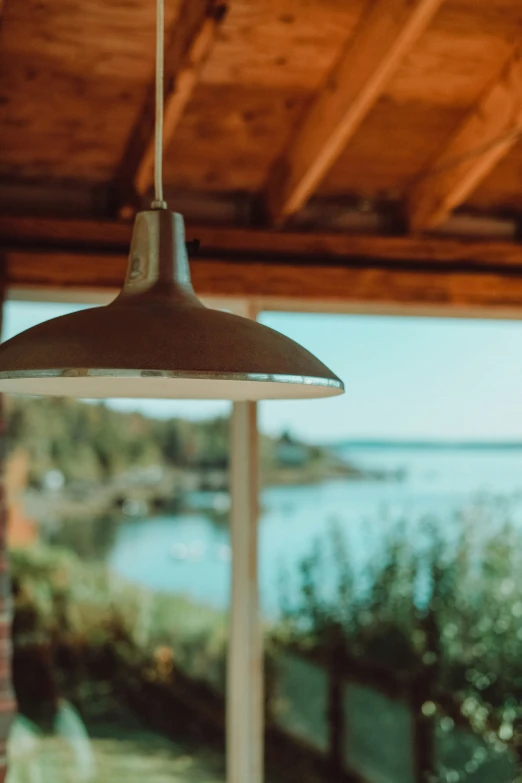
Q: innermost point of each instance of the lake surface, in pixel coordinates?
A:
(189, 553)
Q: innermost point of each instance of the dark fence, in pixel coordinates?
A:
(381, 730)
(328, 718)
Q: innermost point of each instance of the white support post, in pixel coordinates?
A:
(245, 720)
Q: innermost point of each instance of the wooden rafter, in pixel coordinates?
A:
(388, 31)
(486, 135)
(190, 43)
(377, 288)
(250, 244)
(381, 273)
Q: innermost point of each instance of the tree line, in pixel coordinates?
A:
(92, 442)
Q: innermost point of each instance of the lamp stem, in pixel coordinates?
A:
(158, 202)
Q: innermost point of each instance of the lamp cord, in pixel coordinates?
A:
(158, 202)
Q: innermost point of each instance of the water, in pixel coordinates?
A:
(189, 553)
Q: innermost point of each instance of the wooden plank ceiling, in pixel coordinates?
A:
(374, 141)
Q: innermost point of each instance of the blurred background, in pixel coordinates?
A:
(390, 567)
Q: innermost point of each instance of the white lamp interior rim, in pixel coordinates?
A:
(162, 384)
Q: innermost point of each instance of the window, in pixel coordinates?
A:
(391, 549)
(118, 531)
(390, 561)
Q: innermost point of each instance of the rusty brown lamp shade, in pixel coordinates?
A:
(157, 340)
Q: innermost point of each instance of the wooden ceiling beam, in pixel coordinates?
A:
(84, 201)
(102, 236)
(287, 285)
(386, 34)
(187, 49)
(487, 134)
(326, 271)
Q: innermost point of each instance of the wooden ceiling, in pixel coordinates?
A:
(309, 122)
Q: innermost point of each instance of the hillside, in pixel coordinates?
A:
(76, 458)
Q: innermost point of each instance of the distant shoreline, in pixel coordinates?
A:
(428, 445)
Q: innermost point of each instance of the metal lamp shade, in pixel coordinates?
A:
(157, 340)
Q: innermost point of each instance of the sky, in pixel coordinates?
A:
(405, 378)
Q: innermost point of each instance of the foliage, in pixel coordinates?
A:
(64, 604)
(92, 443)
(444, 617)
(90, 537)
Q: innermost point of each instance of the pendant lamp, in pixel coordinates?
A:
(157, 339)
